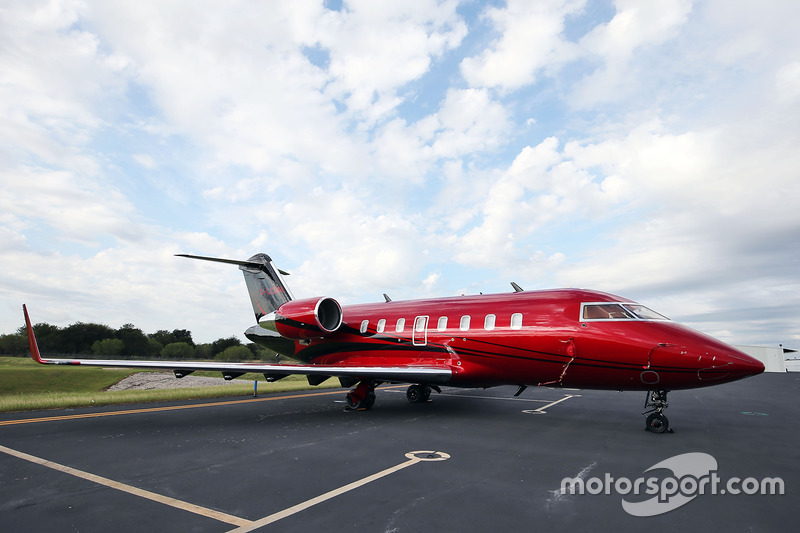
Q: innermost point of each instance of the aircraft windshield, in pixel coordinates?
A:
(618, 311)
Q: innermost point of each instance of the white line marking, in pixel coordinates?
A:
(541, 410)
(482, 397)
(166, 500)
(413, 458)
(494, 397)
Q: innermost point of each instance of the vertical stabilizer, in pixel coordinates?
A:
(265, 285)
(264, 282)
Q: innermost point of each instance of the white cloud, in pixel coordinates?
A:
(624, 46)
(73, 207)
(350, 247)
(377, 47)
(636, 24)
(787, 82)
(145, 160)
(531, 40)
(540, 186)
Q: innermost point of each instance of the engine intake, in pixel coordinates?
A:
(309, 318)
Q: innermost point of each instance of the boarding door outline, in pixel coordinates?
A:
(420, 336)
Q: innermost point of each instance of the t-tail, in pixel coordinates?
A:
(264, 282)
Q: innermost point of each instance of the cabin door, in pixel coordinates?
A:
(421, 331)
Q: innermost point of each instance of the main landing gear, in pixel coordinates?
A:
(362, 397)
(420, 393)
(656, 421)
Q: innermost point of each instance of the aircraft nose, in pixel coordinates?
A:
(744, 364)
(730, 364)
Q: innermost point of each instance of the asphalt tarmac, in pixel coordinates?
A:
(469, 460)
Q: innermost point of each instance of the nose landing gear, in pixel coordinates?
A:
(656, 422)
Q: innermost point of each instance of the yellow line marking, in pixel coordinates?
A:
(171, 408)
(158, 409)
(166, 500)
(413, 458)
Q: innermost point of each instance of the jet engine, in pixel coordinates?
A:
(309, 318)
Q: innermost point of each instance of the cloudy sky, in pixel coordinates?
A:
(646, 148)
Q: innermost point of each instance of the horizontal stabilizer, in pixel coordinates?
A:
(265, 286)
(248, 264)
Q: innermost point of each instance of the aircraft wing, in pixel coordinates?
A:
(412, 374)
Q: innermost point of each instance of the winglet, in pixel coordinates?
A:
(32, 346)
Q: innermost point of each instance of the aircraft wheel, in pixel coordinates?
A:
(415, 394)
(657, 423)
(352, 403)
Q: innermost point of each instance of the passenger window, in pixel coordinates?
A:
(488, 323)
(381, 325)
(516, 321)
(442, 324)
(364, 326)
(464, 324)
(401, 325)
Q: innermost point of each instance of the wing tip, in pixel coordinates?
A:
(32, 345)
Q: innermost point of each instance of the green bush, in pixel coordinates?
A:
(235, 353)
(177, 351)
(112, 347)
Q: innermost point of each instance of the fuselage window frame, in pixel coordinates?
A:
(618, 312)
(441, 324)
(516, 321)
(489, 322)
(381, 325)
(401, 325)
(463, 324)
(364, 326)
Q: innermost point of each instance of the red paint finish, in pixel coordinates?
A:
(553, 347)
(308, 318)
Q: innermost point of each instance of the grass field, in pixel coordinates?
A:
(26, 386)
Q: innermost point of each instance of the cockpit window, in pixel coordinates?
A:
(645, 313)
(618, 311)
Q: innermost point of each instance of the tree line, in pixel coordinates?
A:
(101, 341)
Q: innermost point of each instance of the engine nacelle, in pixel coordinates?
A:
(310, 318)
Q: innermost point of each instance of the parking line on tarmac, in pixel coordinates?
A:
(508, 398)
(243, 524)
(166, 500)
(541, 410)
(413, 458)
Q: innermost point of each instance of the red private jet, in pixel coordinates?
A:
(558, 338)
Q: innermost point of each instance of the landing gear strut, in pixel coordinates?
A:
(656, 422)
(362, 397)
